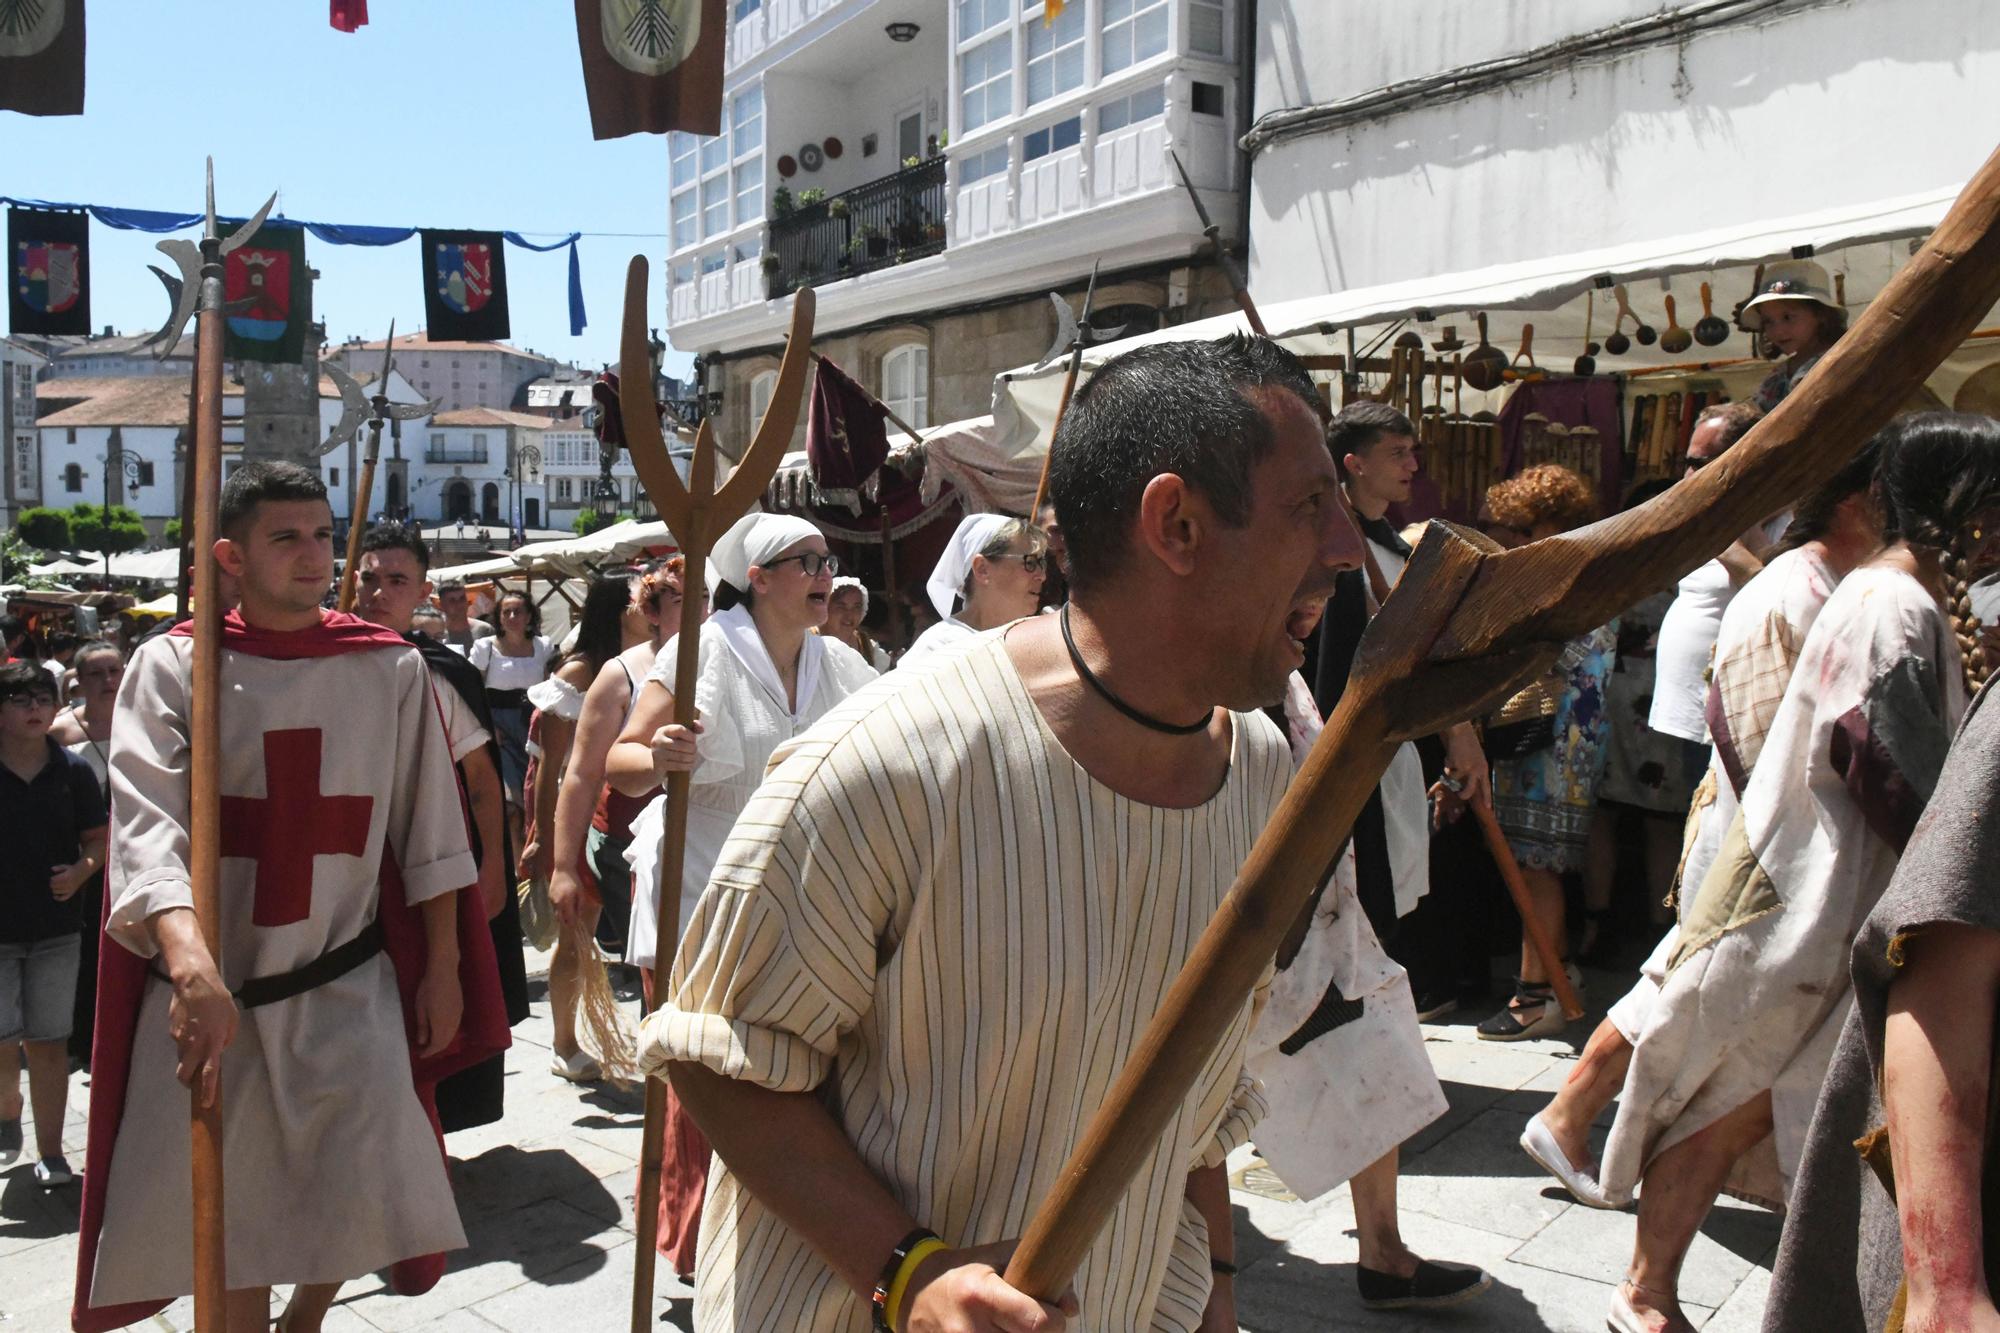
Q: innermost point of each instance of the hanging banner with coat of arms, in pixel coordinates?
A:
(48, 272)
(465, 286)
(650, 66)
(267, 297)
(41, 57)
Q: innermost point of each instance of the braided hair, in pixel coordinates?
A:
(1940, 471)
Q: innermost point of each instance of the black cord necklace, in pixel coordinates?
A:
(1146, 720)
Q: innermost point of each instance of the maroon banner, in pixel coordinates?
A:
(846, 437)
(41, 57)
(650, 66)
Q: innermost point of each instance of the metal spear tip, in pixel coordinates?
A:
(1066, 327)
(241, 236)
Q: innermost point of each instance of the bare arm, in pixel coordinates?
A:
(482, 793)
(202, 1016)
(1937, 1061)
(1208, 1190)
(652, 744)
(583, 777)
(786, 1148)
(64, 881)
(556, 736)
(440, 1002)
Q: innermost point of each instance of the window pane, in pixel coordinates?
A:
(747, 117)
(750, 191)
(1151, 37)
(1205, 28)
(715, 205)
(745, 8)
(684, 228)
(1115, 10)
(988, 82)
(992, 162)
(1066, 134)
(1146, 105)
(713, 263)
(1114, 115)
(714, 153)
(681, 151)
(976, 16)
(1055, 56)
(1035, 145)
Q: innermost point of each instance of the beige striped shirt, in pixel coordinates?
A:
(931, 913)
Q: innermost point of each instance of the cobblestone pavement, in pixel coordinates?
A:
(546, 1199)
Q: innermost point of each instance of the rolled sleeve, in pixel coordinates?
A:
(1247, 1108)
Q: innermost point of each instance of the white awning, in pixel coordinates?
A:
(965, 453)
(1863, 246)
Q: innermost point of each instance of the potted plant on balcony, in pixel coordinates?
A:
(836, 208)
(782, 203)
(770, 264)
(871, 242)
(809, 197)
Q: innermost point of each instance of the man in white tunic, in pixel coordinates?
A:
(346, 960)
(940, 927)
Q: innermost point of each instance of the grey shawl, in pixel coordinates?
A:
(1841, 1260)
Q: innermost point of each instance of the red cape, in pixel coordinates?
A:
(121, 982)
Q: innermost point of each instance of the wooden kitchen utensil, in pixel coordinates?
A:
(1485, 364)
(1710, 330)
(1676, 339)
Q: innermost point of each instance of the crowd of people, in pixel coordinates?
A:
(930, 898)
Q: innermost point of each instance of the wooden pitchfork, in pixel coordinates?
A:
(1468, 626)
(697, 513)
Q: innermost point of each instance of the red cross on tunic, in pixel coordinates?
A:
(291, 824)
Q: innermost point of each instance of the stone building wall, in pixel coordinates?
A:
(968, 348)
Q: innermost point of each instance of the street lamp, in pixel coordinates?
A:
(526, 469)
(117, 458)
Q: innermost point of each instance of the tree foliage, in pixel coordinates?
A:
(106, 531)
(589, 520)
(44, 527)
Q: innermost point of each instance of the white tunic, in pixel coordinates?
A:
(933, 916)
(1758, 987)
(744, 717)
(1345, 1083)
(1763, 631)
(948, 635)
(331, 1167)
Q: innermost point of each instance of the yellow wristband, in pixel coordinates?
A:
(892, 1311)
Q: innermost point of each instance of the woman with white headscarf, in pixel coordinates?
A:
(989, 575)
(846, 609)
(763, 677)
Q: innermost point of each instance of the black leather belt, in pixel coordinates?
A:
(506, 698)
(335, 963)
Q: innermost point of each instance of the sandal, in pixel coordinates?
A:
(1533, 1012)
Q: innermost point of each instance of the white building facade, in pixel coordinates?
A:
(1387, 150)
(971, 156)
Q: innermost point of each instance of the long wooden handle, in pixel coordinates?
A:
(1484, 623)
(1524, 903)
(1062, 410)
(205, 785)
(357, 517)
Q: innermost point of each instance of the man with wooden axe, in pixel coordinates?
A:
(945, 918)
(354, 968)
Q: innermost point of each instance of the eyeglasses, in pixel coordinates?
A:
(1031, 562)
(812, 562)
(1697, 464)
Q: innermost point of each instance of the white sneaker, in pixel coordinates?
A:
(1540, 1144)
(576, 1067)
(52, 1173)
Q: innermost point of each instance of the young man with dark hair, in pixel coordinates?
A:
(938, 931)
(54, 817)
(354, 969)
(392, 583)
(461, 630)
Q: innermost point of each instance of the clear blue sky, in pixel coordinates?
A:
(435, 114)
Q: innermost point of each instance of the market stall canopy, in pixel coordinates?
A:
(626, 540)
(160, 606)
(478, 571)
(1863, 246)
(56, 569)
(148, 566)
(966, 454)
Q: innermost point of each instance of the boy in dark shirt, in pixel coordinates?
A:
(54, 814)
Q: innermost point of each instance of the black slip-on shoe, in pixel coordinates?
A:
(1431, 1287)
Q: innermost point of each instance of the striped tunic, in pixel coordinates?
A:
(933, 915)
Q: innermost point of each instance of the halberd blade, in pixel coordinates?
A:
(1065, 331)
(236, 239)
(353, 408)
(184, 292)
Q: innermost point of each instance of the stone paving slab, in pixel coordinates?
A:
(546, 1195)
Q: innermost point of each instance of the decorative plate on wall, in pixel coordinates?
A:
(787, 167)
(834, 148)
(811, 158)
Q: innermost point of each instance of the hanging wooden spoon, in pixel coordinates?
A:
(1587, 363)
(1676, 339)
(1641, 330)
(1527, 353)
(1710, 330)
(1618, 344)
(1485, 364)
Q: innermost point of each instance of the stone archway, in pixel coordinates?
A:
(458, 501)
